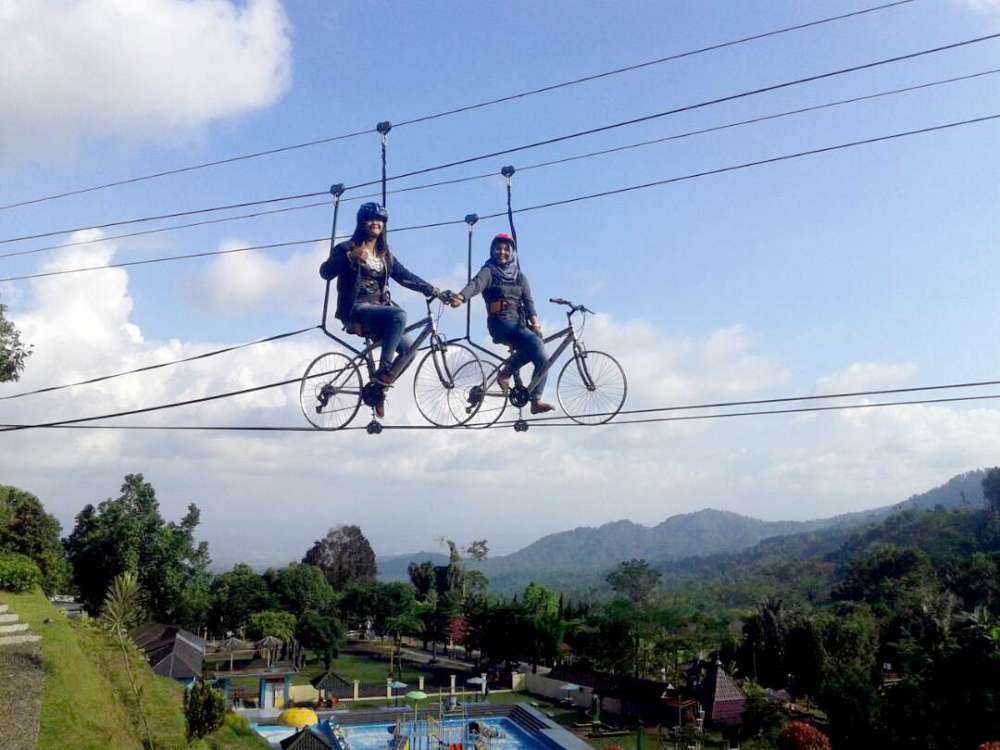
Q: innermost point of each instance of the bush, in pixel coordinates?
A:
(797, 735)
(19, 573)
(204, 710)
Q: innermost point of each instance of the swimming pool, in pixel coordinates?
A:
(376, 736)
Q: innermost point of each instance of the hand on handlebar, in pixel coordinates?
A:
(453, 299)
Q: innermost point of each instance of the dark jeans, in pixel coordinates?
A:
(385, 323)
(527, 346)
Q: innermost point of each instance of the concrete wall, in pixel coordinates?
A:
(303, 694)
(549, 688)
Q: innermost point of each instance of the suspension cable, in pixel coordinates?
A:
(549, 204)
(466, 108)
(536, 144)
(527, 167)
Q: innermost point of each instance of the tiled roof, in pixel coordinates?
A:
(724, 701)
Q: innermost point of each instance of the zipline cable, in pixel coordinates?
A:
(527, 167)
(550, 204)
(466, 108)
(536, 144)
(147, 368)
(77, 423)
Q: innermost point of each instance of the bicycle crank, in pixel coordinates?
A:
(519, 396)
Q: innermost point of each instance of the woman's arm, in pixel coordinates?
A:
(335, 264)
(477, 284)
(410, 280)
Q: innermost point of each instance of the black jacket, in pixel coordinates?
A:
(348, 275)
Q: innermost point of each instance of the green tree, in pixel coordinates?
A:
(129, 534)
(234, 597)
(122, 611)
(204, 710)
(25, 528)
(300, 587)
(991, 489)
(281, 625)
(422, 578)
(539, 601)
(319, 633)
(13, 352)
(634, 579)
(344, 555)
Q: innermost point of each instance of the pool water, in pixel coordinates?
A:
(512, 737)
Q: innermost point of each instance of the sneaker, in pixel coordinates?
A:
(540, 407)
(380, 408)
(383, 378)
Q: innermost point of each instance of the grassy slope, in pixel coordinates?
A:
(86, 701)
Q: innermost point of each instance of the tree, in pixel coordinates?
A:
(539, 601)
(422, 577)
(234, 597)
(13, 352)
(344, 555)
(477, 550)
(129, 534)
(634, 579)
(281, 625)
(319, 633)
(120, 612)
(25, 528)
(300, 587)
(204, 710)
(991, 489)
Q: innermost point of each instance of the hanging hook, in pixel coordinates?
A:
(336, 190)
(508, 172)
(383, 128)
(471, 220)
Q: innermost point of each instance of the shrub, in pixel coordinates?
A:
(989, 745)
(18, 573)
(797, 735)
(204, 710)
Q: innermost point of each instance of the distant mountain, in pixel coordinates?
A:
(576, 560)
(393, 567)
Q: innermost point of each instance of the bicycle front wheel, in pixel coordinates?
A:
(330, 391)
(445, 385)
(493, 400)
(591, 388)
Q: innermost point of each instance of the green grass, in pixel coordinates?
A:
(86, 700)
(353, 667)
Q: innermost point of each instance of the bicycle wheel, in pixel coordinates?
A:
(493, 399)
(443, 385)
(591, 384)
(330, 392)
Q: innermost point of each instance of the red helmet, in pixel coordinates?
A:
(503, 237)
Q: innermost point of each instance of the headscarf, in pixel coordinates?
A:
(509, 272)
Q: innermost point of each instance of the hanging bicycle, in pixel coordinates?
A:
(591, 388)
(333, 388)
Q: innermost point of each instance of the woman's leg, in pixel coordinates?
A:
(385, 323)
(527, 348)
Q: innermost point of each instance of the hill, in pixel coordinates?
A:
(86, 700)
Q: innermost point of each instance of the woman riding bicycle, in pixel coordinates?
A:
(512, 319)
(363, 266)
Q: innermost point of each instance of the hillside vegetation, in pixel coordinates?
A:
(86, 703)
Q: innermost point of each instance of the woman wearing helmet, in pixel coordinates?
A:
(363, 266)
(510, 308)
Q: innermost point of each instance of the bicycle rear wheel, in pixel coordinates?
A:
(591, 388)
(493, 401)
(330, 391)
(444, 385)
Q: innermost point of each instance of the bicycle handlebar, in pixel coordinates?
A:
(573, 308)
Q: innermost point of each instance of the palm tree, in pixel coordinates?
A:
(120, 612)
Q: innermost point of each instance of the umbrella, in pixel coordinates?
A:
(416, 695)
(569, 686)
(397, 685)
(475, 681)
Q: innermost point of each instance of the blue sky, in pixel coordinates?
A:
(866, 267)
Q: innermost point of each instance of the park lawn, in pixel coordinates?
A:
(352, 667)
(86, 700)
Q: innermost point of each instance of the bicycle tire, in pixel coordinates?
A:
(441, 404)
(604, 400)
(494, 402)
(339, 373)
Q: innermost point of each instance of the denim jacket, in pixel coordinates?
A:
(348, 275)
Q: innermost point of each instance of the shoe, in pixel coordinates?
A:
(503, 379)
(380, 409)
(540, 407)
(383, 378)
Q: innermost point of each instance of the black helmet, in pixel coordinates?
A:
(369, 211)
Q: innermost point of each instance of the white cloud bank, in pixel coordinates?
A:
(72, 71)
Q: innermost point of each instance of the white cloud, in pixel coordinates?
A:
(989, 7)
(865, 376)
(134, 70)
